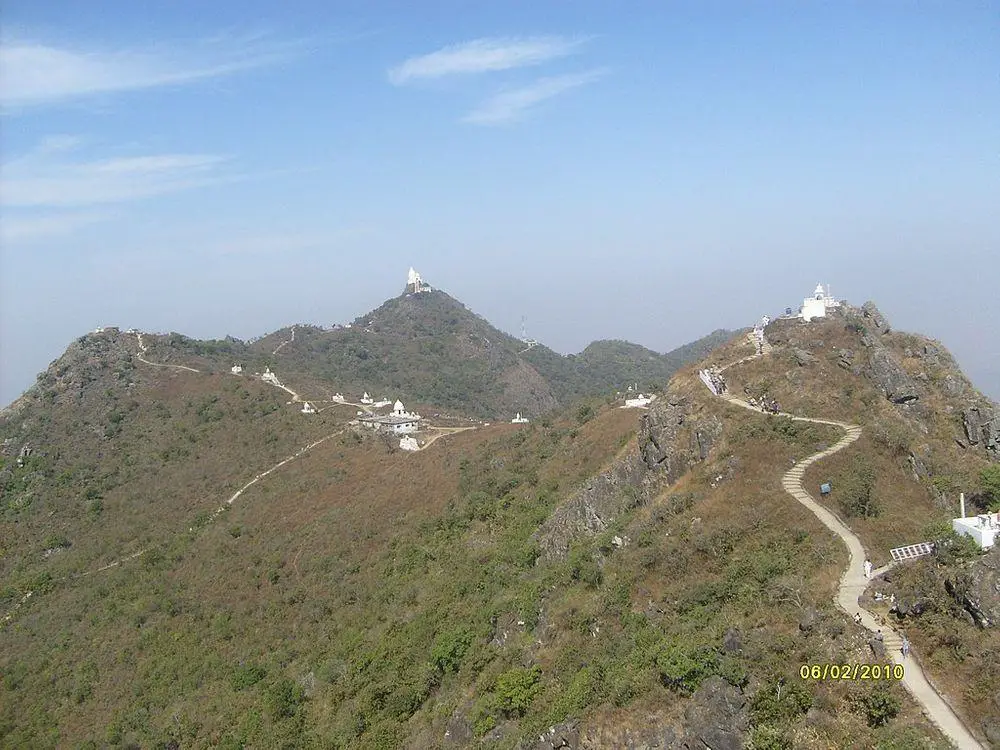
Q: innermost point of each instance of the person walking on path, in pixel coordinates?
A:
(905, 648)
(868, 568)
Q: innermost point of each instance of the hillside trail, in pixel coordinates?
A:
(284, 343)
(142, 350)
(853, 582)
(218, 511)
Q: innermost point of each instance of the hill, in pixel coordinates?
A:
(428, 348)
(188, 561)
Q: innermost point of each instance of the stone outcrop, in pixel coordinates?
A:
(889, 375)
(982, 426)
(591, 510)
(672, 437)
(873, 320)
(716, 717)
(977, 589)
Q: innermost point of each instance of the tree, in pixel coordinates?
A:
(857, 491)
(989, 478)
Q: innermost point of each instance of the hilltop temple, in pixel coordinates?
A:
(817, 305)
(415, 284)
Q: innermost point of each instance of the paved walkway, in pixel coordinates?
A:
(853, 582)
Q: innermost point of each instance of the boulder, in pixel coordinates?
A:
(802, 357)
(732, 641)
(458, 732)
(808, 620)
(565, 736)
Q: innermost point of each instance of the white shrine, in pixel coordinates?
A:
(237, 369)
(270, 377)
(817, 305)
(366, 399)
(308, 408)
(983, 529)
(519, 419)
(338, 397)
(638, 401)
(415, 284)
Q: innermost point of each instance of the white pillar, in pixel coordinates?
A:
(961, 503)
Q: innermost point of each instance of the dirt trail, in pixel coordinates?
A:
(853, 582)
(142, 350)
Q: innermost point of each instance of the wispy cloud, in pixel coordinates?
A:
(37, 181)
(513, 104)
(33, 73)
(484, 55)
(20, 230)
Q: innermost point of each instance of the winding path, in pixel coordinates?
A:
(284, 343)
(142, 350)
(853, 581)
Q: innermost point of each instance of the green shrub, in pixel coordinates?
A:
(878, 706)
(247, 675)
(449, 649)
(683, 666)
(989, 479)
(515, 690)
(856, 490)
(284, 698)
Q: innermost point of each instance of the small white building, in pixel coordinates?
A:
(338, 397)
(519, 419)
(984, 529)
(409, 443)
(391, 423)
(817, 305)
(366, 399)
(308, 408)
(638, 401)
(237, 369)
(270, 377)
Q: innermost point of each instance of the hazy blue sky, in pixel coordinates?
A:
(646, 170)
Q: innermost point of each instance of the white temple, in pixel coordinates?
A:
(817, 305)
(366, 399)
(307, 408)
(237, 369)
(415, 284)
(400, 422)
(519, 419)
(270, 377)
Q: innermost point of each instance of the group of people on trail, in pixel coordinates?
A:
(765, 404)
(717, 380)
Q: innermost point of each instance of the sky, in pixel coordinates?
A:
(649, 171)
